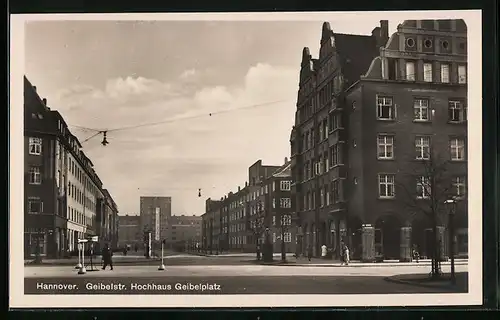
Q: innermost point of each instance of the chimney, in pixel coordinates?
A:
(246, 184)
(34, 88)
(44, 101)
(381, 34)
(239, 188)
(286, 160)
(384, 31)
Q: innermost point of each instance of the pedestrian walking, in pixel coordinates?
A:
(324, 251)
(309, 253)
(346, 255)
(107, 257)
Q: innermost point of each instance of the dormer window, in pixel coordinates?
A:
(445, 44)
(428, 43)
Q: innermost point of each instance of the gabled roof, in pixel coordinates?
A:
(356, 53)
(283, 171)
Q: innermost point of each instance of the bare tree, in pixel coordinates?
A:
(423, 186)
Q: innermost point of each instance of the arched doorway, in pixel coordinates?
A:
(354, 241)
(388, 237)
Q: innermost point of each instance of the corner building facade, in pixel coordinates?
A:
(401, 105)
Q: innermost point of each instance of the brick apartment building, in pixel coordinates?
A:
(129, 231)
(63, 194)
(184, 232)
(374, 117)
(238, 221)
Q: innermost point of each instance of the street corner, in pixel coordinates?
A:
(425, 280)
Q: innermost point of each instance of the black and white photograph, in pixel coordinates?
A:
(246, 160)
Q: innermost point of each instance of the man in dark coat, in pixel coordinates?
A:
(107, 257)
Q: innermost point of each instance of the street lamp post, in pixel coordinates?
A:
(451, 203)
(283, 248)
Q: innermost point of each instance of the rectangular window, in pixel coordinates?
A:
(421, 109)
(459, 185)
(428, 72)
(422, 147)
(35, 146)
(287, 236)
(445, 73)
(457, 149)
(274, 237)
(386, 185)
(410, 71)
(385, 108)
(462, 74)
(35, 175)
(286, 220)
(322, 197)
(274, 202)
(274, 220)
(285, 203)
(423, 187)
(285, 185)
(35, 206)
(457, 111)
(335, 191)
(385, 146)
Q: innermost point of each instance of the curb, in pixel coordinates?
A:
(418, 284)
(117, 263)
(363, 265)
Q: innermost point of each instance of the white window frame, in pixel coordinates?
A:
(459, 111)
(460, 184)
(35, 146)
(428, 76)
(286, 185)
(422, 147)
(457, 149)
(424, 188)
(386, 180)
(410, 71)
(287, 236)
(322, 197)
(421, 106)
(386, 145)
(274, 203)
(286, 220)
(385, 102)
(445, 73)
(285, 203)
(35, 175)
(462, 74)
(274, 220)
(274, 237)
(32, 201)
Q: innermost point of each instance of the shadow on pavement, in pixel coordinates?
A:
(423, 280)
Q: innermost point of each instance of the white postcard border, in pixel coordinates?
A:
(17, 298)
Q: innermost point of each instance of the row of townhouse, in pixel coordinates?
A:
(241, 221)
(64, 198)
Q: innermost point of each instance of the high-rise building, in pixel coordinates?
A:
(155, 214)
(380, 139)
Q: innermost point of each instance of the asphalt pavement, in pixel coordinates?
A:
(254, 284)
(231, 279)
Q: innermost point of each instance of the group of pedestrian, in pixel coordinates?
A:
(344, 255)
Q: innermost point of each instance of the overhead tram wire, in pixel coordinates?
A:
(150, 124)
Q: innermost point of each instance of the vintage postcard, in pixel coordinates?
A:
(246, 160)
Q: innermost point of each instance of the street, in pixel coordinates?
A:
(233, 278)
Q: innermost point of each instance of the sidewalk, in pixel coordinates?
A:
(423, 280)
(118, 259)
(235, 254)
(336, 263)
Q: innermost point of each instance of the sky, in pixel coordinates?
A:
(106, 75)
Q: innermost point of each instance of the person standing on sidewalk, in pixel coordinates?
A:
(107, 257)
(346, 255)
(309, 252)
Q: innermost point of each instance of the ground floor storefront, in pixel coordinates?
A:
(386, 239)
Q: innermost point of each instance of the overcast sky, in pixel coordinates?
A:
(106, 74)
